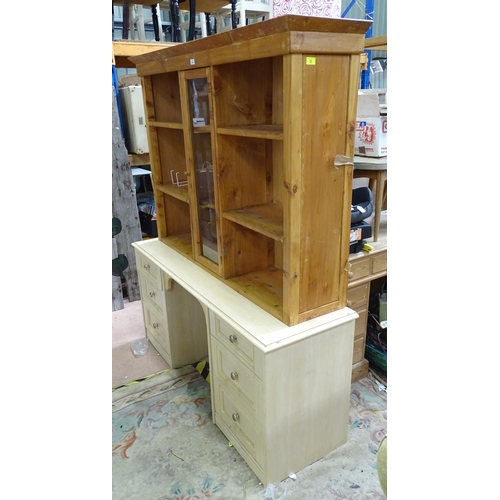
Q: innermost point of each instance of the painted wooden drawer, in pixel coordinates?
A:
(239, 418)
(156, 325)
(257, 466)
(153, 293)
(234, 341)
(235, 374)
(149, 269)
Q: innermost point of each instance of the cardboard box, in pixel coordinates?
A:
(371, 124)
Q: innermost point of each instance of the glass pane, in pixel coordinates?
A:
(202, 155)
(198, 97)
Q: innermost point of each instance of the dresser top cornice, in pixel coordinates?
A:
(276, 36)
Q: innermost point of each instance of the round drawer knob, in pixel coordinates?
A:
(350, 275)
(349, 303)
(146, 266)
(155, 325)
(235, 417)
(234, 375)
(151, 294)
(232, 339)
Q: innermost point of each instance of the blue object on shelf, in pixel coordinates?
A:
(366, 73)
(114, 79)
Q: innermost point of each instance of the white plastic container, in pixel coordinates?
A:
(134, 120)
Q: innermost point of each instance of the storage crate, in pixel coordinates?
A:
(376, 357)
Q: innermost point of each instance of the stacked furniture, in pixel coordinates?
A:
(364, 270)
(251, 138)
(245, 12)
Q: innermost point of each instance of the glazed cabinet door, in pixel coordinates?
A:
(197, 112)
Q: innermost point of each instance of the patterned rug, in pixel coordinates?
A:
(165, 447)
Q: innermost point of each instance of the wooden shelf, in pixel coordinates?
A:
(136, 160)
(376, 43)
(264, 288)
(204, 129)
(174, 125)
(181, 243)
(179, 192)
(274, 132)
(265, 219)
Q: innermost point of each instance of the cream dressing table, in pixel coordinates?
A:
(280, 393)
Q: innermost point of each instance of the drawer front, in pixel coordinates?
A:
(150, 291)
(257, 467)
(360, 325)
(234, 373)
(357, 297)
(234, 341)
(238, 418)
(359, 350)
(149, 269)
(156, 324)
(360, 268)
(379, 262)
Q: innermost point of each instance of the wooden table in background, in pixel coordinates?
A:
(374, 169)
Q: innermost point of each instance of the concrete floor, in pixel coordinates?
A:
(128, 326)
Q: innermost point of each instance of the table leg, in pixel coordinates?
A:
(192, 19)
(156, 27)
(176, 22)
(208, 23)
(126, 17)
(379, 200)
(234, 21)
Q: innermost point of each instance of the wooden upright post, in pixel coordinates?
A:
(125, 210)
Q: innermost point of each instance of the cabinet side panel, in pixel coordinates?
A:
(325, 105)
(307, 391)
